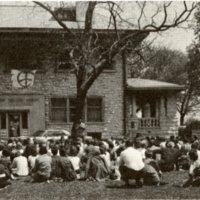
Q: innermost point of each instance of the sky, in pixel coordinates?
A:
(176, 39)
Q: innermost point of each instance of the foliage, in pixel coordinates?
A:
(163, 64)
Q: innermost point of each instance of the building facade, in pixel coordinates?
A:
(49, 102)
(38, 87)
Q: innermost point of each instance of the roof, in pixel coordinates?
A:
(26, 15)
(146, 84)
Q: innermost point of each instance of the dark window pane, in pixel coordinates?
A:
(3, 120)
(58, 114)
(58, 109)
(94, 110)
(58, 102)
(72, 109)
(24, 120)
(66, 14)
(109, 65)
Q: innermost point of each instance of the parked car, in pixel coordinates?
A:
(50, 134)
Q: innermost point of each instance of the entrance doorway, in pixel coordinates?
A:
(14, 124)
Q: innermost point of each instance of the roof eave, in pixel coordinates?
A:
(178, 89)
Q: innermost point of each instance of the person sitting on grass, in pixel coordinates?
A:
(20, 165)
(151, 171)
(55, 164)
(96, 168)
(1, 149)
(169, 157)
(131, 164)
(194, 170)
(75, 160)
(42, 169)
(6, 162)
(67, 171)
(4, 177)
(32, 157)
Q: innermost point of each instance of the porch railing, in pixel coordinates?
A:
(149, 123)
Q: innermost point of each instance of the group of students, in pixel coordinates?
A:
(141, 158)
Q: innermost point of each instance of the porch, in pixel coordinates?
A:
(151, 106)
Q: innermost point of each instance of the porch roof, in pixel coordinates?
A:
(146, 84)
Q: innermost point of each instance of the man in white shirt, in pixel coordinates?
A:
(20, 164)
(131, 164)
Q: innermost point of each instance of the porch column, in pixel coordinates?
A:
(134, 119)
(162, 112)
(134, 106)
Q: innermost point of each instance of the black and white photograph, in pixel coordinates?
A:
(99, 100)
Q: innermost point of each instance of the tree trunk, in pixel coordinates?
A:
(77, 130)
(182, 118)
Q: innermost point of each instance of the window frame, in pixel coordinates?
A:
(4, 113)
(101, 109)
(58, 11)
(67, 108)
(51, 110)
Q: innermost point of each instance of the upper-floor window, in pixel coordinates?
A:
(66, 14)
(20, 55)
(63, 60)
(109, 65)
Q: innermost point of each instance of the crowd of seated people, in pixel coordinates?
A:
(143, 159)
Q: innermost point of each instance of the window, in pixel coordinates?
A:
(24, 120)
(21, 56)
(64, 110)
(59, 109)
(63, 60)
(72, 109)
(94, 110)
(3, 120)
(66, 14)
(109, 65)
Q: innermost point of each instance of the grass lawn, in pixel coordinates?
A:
(108, 190)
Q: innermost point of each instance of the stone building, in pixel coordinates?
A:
(37, 90)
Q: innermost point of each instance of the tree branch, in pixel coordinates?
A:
(182, 17)
(89, 16)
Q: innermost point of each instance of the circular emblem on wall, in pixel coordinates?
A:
(25, 79)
